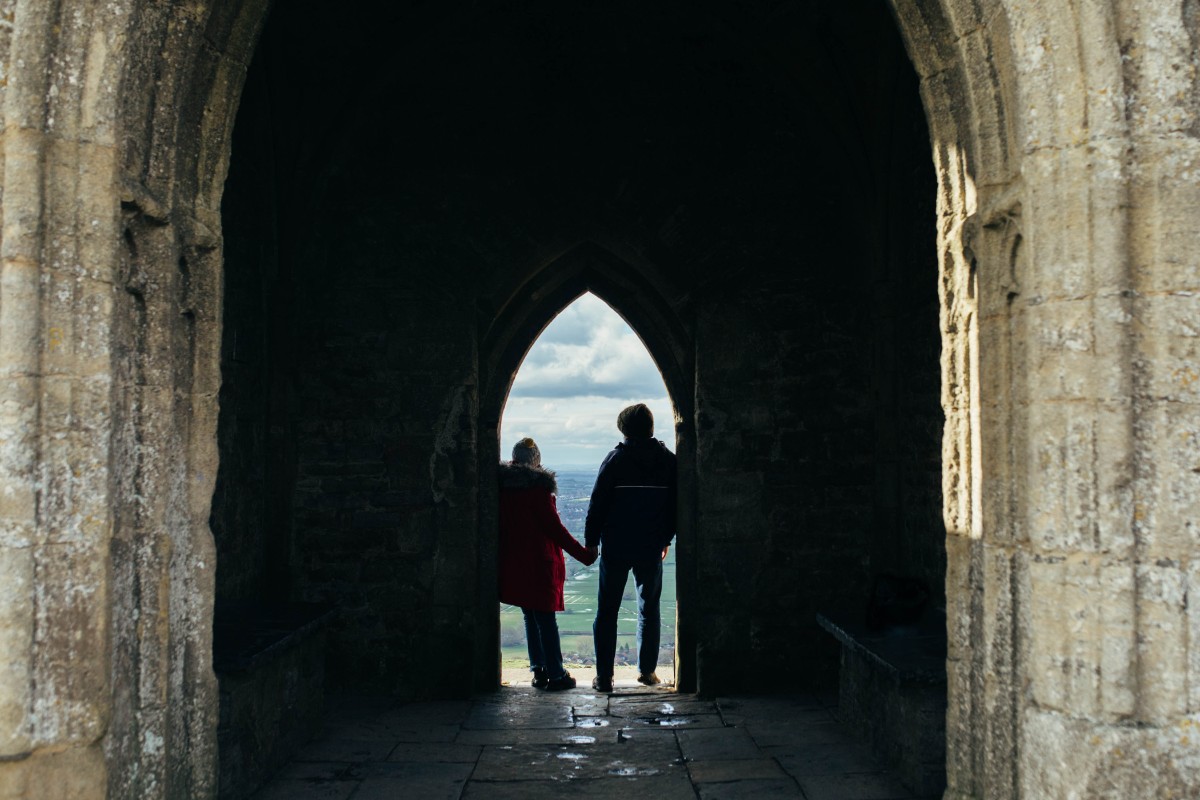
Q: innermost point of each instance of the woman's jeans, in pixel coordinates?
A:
(541, 636)
(648, 579)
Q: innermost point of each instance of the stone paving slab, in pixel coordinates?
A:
(798, 734)
(724, 771)
(436, 752)
(717, 743)
(794, 716)
(855, 786)
(393, 731)
(593, 723)
(427, 781)
(523, 743)
(520, 714)
(347, 750)
(822, 759)
(653, 756)
(321, 772)
(769, 789)
(306, 790)
(589, 705)
(736, 710)
(657, 787)
(641, 734)
(674, 722)
(535, 736)
(444, 712)
(660, 707)
(357, 707)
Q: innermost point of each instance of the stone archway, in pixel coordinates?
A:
(635, 295)
(1061, 137)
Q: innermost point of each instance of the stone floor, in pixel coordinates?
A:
(527, 744)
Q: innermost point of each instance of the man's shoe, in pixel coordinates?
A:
(560, 684)
(649, 679)
(602, 684)
(539, 678)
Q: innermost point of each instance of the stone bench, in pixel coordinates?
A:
(892, 694)
(270, 665)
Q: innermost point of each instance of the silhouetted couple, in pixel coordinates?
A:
(630, 525)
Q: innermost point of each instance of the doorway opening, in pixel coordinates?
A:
(585, 366)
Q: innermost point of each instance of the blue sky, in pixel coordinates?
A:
(586, 366)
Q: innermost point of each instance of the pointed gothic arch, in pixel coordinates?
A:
(526, 310)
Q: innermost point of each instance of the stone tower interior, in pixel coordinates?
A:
(919, 275)
(401, 220)
(404, 213)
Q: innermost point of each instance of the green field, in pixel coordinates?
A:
(575, 623)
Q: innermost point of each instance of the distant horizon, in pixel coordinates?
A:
(585, 367)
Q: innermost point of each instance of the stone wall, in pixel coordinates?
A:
(819, 456)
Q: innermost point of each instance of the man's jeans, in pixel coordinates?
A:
(541, 636)
(647, 577)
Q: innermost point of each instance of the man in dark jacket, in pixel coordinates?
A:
(632, 518)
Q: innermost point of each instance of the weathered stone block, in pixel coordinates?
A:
(71, 644)
(1081, 653)
(1162, 637)
(1072, 351)
(1169, 363)
(1077, 260)
(1077, 476)
(75, 492)
(82, 211)
(20, 320)
(74, 773)
(1157, 84)
(961, 595)
(1166, 186)
(17, 580)
(1169, 440)
(1064, 756)
(23, 195)
(963, 738)
(1193, 638)
(18, 445)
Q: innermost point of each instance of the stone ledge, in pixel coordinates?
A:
(270, 664)
(247, 636)
(892, 695)
(907, 653)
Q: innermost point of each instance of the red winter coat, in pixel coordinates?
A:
(532, 540)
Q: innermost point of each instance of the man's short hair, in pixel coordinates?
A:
(636, 422)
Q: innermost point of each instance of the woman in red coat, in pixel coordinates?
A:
(532, 570)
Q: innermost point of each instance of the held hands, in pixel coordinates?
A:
(592, 554)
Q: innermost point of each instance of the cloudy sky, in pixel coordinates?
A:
(585, 367)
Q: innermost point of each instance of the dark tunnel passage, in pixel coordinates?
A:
(414, 192)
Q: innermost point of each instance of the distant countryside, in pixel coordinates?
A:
(575, 623)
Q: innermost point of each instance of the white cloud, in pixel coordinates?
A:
(586, 366)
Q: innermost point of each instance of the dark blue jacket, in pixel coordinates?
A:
(632, 511)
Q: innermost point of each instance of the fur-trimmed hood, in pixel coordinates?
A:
(522, 476)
